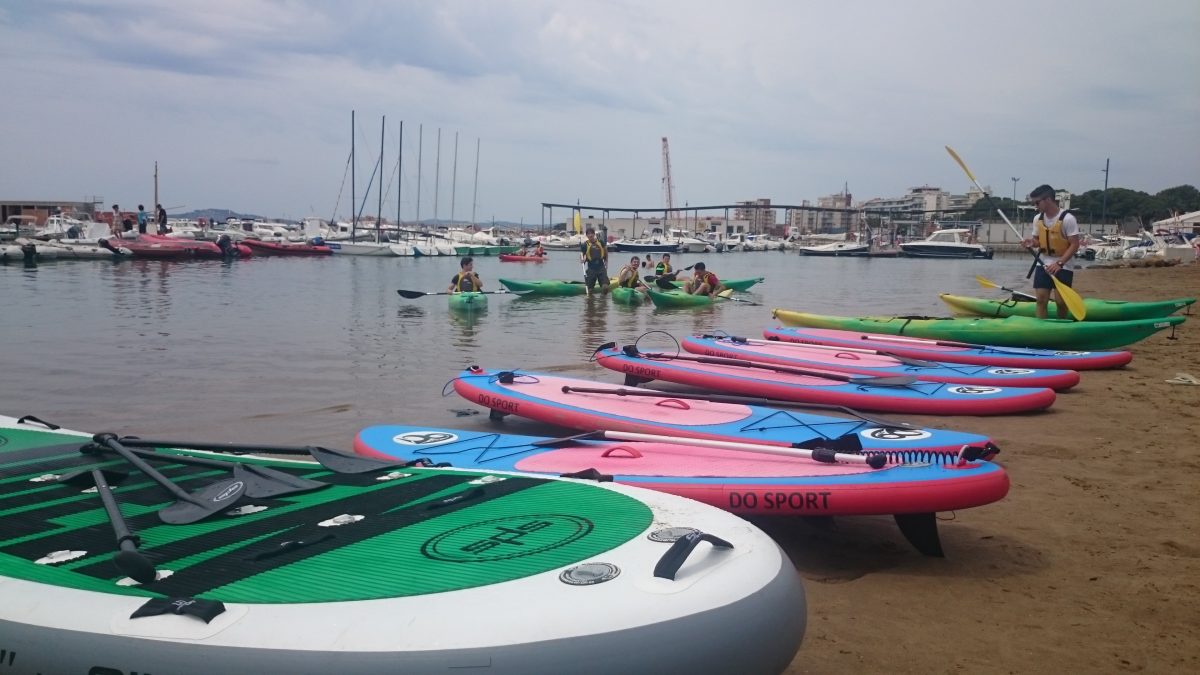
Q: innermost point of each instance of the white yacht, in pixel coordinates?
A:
(950, 243)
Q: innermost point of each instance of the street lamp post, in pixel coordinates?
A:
(1016, 215)
(1104, 200)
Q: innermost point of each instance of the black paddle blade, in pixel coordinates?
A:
(888, 381)
(134, 565)
(411, 294)
(203, 503)
(342, 463)
(263, 482)
(849, 444)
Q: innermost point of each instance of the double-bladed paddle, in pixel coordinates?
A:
(1069, 296)
(1017, 295)
(421, 294)
(716, 397)
(128, 558)
(869, 381)
(338, 462)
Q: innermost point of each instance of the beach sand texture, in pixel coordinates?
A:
(1090, 565)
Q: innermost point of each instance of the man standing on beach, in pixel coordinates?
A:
(1055, 234)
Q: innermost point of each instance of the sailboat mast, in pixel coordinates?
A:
(379, 207)
(420, 149)
(475, 190)
(437, 176)
(454, 180)
(399, 177)
(353, 195)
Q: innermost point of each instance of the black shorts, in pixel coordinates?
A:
(1043, 280)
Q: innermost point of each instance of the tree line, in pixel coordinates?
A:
(1123, 204)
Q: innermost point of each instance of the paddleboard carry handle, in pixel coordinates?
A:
(668, 565)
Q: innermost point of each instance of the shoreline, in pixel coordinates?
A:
(1088, 565)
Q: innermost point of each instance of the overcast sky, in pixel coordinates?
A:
(245, 104)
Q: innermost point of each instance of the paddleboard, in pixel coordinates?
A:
(862, 392)
(540, 396)
(399, 569)
(949, 351)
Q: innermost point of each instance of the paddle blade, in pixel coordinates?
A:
(1071, 299)
(961, 163)
(987, 283)
(264, 482)
(203, 503)
(888, 381)
(411, 294)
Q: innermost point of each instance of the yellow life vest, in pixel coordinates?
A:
(587, 251)
(1051, 239)
(662, 268)
(468, 279)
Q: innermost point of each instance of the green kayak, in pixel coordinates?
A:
(735, 284)
(1013, 331)
(627, 296)
(469, 301)
(545, 287)
(1097, 310)
(678, 298)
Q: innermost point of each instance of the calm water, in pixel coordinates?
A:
(312, 350)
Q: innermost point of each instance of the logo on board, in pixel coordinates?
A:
(423, 438)
(506, 538)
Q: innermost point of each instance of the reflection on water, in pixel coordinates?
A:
(310, 350)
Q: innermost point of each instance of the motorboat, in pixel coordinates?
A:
(949, 243)
(838, 249)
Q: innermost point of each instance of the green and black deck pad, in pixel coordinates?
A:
(428, 532)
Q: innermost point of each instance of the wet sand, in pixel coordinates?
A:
(1092, 562)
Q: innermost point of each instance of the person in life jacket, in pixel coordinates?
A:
(1055, 234)
(628, 276)
(466, 279)
(663, 267)
(702, 282)
(594, 256)
(539, 251)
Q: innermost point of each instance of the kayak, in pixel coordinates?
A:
(861, 361)
(540, 396)
(1097, 310)
(1013, 331)
(746, 483)
(545, 287)
(810, 385)
(627, 296)
(261, 247)
(469, 301)
(513, 257)
(735, 284)
(325, 570)
(679, 298)
(951, 351)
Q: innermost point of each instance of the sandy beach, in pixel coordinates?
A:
(1092, 562)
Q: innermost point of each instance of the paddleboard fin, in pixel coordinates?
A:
(920, 529)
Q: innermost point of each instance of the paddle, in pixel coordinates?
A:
(916, 363)
(953, 343)
(1068, 295)
(870, 381)
(128, 558)
(338, 462)
(824, 455)
(188, 507)
(421, 294)
(742, 400)
(1017, 295)
(261, 482)
(669, 276)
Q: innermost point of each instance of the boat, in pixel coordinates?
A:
(77, 250)
(1012, 331)
(687, 242)
(656, 243)
(732, 284)
(590, 405)
(952, 351)
(861, 361)
(677, 297)
(623, 295)
(382, 248)
(757, 482)
(1097, 309)
(900, 394)
(141, 248)
(948, 243)
(290, 566)
(469, 301)
(224, 247)
(533, 287)
(838, 249)
(279, 248)
(512, 257)
(22, 250)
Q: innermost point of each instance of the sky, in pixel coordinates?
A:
(246, 104)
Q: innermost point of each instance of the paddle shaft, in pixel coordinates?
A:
(110, 441)
(817, 454)
(946, 343)
(898, 380)
(988, 283)
(740, 400)
(1074, 304)
(421, 294)
(805, 345)
(126, 540)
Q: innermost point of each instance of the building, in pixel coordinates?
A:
(801, 220)
(758, 213)
(835, 221)
(923, 203)
(965, 202)
(41, 210)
